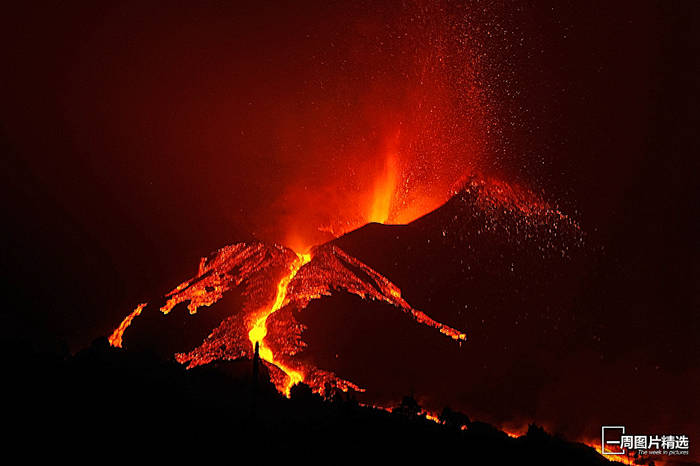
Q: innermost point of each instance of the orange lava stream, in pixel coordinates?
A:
(115, 339)
(258, 332)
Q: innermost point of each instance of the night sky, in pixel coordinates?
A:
(138, 137)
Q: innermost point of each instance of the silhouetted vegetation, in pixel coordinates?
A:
(114, 400)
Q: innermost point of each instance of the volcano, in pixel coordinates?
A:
(267, 294)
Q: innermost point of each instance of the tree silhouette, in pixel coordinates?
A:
(409, 407)
(454, 419)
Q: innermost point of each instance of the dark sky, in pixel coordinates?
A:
(137, 137)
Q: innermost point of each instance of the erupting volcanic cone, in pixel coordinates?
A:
(276, 283)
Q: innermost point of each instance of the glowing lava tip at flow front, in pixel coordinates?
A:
(258, 332)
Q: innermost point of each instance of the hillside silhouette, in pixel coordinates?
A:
(106, 399)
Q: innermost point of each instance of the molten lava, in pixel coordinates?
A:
(115, 339)
(259, 331)
(289, 281)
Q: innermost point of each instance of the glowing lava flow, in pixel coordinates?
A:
(254, 270)
(115, 339)
(258, 333)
